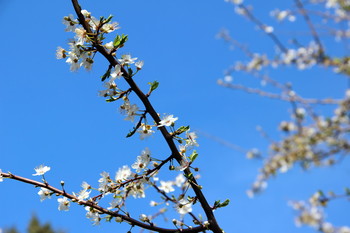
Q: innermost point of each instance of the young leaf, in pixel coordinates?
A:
(120, 40)
(153, 85)
(108, 19)
(193, 156)
(225, 203)
(107, 74)
(182, 129)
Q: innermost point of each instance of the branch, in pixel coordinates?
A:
(91, 204)
(213, 225)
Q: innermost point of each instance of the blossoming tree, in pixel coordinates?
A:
(313, 137)
(91, 37)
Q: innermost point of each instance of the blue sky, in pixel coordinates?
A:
(52, 116)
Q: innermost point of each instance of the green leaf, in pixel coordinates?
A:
(120, 40)
(108, 19)
(216, 203)
(153, 85)
(193, 156)
(225, 203)
(130, 72)
(107, 74)
(111, 100)
(116, 41)
(182, 129)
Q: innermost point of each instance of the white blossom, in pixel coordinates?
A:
(166, 186)
(123, 174)
(41, 170)
(104, 182)
(117, 72)
(126, 59)
(142, 161)
(184, 207)
(63, 204)
(61, 53)
(129, 110)
(109, 45)
(180, 180)
(70, 23)
(145, 131)
(110, 27)
(114, 204)
(139, 64)
(82, 195)
(86, 13)
(93, 216)
(144, 218)
(44, 194)
(73, 60)
(168, 120)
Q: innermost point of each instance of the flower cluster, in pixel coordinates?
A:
(127, 182)
(311, 213)
(317, 144)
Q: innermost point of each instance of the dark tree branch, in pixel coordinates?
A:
(213, 225)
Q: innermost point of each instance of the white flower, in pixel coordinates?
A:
(85, 185)
(144, 218)
(41, 170)
(179, 180)
(44, 193)
(86, 13)
(110, 27)
(117, 72)
(123, 174)
(137, 189)
(109, 45)
(80, 34)
(129, 110)
(228, 78)
(82, 195)
(300, 112)
(1, 177)
(60, 53)
(73, 60)
(153, 203)
(126, 59)
(93, 22)
(145, 131)
(142, 161)
(114, 204)
(87, 61)
(139, 65)
(268, 29)
(63, 204)
(104, 182)
(166, 186)
(184, 207)
(70, 23)
(93, 216)
(344, 230)
(168, 120)
(191, 139)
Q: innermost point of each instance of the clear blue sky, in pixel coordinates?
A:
(52, 116)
